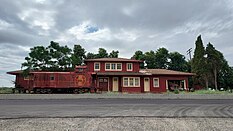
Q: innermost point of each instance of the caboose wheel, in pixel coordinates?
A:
(37, 91)
(49, 91)
(76, 91)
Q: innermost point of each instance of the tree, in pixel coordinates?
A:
(78, 55)
(102, 53)
(91, 56)
(38, 58)
(60, 56)
(51, 58)
(216, 61)
(177, 62)
(150, 59)
(198, 61)
(161, 58)
(138, 55)
(114, 54)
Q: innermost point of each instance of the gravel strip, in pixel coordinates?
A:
(110, 95)
(115, 124)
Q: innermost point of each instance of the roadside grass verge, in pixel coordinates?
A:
(203, 92)
(5, 90)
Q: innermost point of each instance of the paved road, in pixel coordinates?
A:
(104, 108)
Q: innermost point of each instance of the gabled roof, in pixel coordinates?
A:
(114, 60)
(165, 72)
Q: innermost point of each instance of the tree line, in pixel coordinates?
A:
(211, 68)
(60, 58)
(209, 64)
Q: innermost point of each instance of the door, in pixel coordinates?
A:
(115, 84)
(103, 84)
(146, 84)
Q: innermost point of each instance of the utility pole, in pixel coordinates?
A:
(189, 52)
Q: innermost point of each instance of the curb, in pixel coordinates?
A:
(114, 96)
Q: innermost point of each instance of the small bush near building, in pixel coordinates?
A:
(176, 91)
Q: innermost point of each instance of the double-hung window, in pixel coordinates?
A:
(129, 66)
(156, 82)
(97, 66)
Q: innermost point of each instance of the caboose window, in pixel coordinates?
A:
(97, 66)
(80, 69)
(51, 77)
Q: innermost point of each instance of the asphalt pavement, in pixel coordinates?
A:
(107, 108)
(45, 112)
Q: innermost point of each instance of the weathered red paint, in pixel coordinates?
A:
(86, 76)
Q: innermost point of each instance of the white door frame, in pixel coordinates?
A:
(148, 84)
(117, 88)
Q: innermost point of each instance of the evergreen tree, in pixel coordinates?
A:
(161, 58)
(198, 61)
(114, 54)
(216, 61)
(150, 59)
(91, 55)
(78, 55)
(102, 53)
(138, 55)
(177, 62)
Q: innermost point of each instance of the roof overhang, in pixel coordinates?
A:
(121, 74)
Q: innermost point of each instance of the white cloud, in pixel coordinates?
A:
(4, 24)
(44, 19)
(127, 35)
(80, 32)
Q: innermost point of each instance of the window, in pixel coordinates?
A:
(113, 66)
(97, 66)
(136, 81)
(107, 66)
(80, 69)
(131, 82)
(119, 66)
(129, 66)
(156, 82)
(125, 81)
(26, 78)
(52, 77)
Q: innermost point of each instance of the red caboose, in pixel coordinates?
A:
(78, 81)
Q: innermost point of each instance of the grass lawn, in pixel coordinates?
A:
(203, 92)
(5, 90)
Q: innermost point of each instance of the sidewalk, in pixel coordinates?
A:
(115, 96)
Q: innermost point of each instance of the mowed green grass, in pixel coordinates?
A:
(204, 92)
(5, 90)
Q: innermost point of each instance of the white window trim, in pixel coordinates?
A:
(131, 67)
(154, 82)
(99, 66)
(111, 67)
(128, 85)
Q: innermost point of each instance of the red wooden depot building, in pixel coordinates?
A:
(106, 74)
(125, 75)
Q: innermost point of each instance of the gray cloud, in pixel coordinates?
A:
(122, 25)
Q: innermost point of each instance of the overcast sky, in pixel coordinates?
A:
(124, 25)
